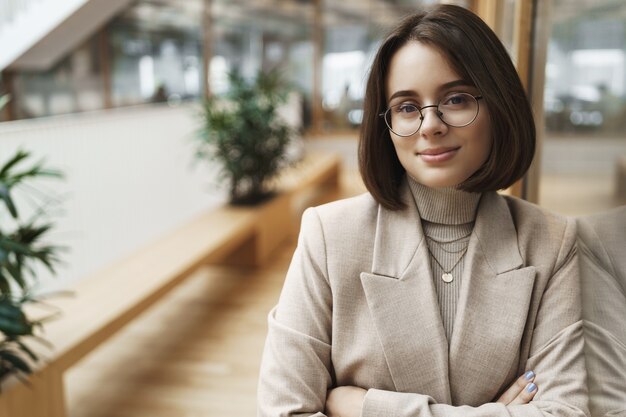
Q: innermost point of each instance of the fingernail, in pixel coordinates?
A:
(531, 387)
(529, 375)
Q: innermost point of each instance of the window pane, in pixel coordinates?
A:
(156, 52)
(353, 31)
(585, 107)
(258, 35)
(75, 84)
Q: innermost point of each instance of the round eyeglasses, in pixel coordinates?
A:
(456, 110)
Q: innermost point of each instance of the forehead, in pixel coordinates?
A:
(420, 68)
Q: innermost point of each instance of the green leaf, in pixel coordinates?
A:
(5, 195)
(47, 172)
(27, 351)
(5, 287)
(15, 360)
(20, 155)
(15, 328)
(29, 233)
(11, 244)
(39, 171)
(9, 310)
(15, 272)
(42, 341)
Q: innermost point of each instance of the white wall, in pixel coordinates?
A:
(130, 177)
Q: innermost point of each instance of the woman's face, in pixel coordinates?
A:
(437, 155)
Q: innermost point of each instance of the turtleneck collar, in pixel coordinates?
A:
(444, 205)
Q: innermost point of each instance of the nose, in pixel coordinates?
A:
(432, 125)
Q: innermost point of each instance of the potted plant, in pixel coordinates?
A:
(22, 248)
(244, 133)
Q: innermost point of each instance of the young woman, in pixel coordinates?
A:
(432, 295)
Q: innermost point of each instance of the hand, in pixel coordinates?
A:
(345, 401)
(521, 392)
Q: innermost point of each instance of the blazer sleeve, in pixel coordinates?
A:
(296, 370)
(556, 356)
(604, 315)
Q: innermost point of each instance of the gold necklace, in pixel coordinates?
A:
(445, 242)
(447, 276)
(440, 244)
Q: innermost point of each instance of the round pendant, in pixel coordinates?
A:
(447, 277)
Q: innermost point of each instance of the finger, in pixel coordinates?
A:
(526, 395)
(516, 388)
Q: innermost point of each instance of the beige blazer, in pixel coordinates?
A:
(359, 308)
(602, 243)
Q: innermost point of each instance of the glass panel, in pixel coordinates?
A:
(584, 155)
(154, 52)
(353, 31)
(263, 35)
(157, 52)
(74, 84)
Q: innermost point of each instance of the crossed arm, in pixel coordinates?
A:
(347, 401)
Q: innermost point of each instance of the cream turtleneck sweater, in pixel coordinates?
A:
(448, 217)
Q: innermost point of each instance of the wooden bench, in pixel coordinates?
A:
(113, 297)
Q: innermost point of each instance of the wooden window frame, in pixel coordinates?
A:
(530, 44)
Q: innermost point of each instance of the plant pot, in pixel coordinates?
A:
(252, 199)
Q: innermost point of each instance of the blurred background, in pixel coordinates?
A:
(71, 57)
(109, 91)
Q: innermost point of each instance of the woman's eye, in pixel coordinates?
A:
(455, 99)
(407, 108)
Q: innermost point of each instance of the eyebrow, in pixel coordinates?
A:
(411, 93)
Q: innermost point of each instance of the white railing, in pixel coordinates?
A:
(130, 177)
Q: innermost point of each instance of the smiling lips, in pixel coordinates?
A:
(438, 154)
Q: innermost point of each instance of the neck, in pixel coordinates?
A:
(447, 205)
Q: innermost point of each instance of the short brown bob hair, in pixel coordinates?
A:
(477, 55)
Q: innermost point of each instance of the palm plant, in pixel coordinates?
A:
(21, 251)
(244, 133)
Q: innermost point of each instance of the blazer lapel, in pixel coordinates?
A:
(493, 306)
(402, 300)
